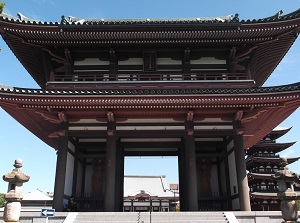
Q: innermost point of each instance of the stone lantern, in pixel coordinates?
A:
(15, 179)
(286, 180)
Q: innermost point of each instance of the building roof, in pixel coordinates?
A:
(278, 132)
(257, 45)
(269, 146)
(268, 195)
(279, 16)
(156, 186)
(256, 107)
(37, 195)
(259, 176)
(122, 90)
(254, 161)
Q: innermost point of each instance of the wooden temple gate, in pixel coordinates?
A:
(188, 88)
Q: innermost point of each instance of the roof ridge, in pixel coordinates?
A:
(157, 21)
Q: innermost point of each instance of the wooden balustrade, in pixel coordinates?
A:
(100, 77)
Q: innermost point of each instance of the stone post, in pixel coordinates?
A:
(15, 179)
(286, 194)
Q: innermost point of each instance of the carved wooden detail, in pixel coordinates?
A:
(57, 134)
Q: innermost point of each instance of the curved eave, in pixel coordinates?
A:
(278, 132)
(254, 161)
(268, 196)
(264, 195)
(205, 34)
(259, 109)
(276, 147)
(33, 122)
(259, 176)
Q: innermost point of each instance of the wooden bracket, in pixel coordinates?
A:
(110, 116)
(57, 134)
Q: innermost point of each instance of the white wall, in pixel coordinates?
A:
(223, 177)
(69, 171)
(233, 177)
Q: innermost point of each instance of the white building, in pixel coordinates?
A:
(145, 193)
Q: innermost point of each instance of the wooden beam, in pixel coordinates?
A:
(151, 133)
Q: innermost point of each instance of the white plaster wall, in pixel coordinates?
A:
(91, 61)
(232, 173)
(233, 177)
(167, 61)
(71, 147)
(223, 177)
(69, 174)
(230, 146)
(208, 60)
(132, 61)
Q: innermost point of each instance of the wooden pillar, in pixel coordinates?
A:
(182, 180)
(61, 165)
(188, 172)
(220, 185)
(83, 176)
(228, 186)
(119, 177)
(241, 172)
(110, 204)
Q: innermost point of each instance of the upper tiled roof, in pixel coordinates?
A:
(89, 21)
(259, 44)
(153, 21)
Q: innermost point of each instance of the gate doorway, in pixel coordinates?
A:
(151, 183)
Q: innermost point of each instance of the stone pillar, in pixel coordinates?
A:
(286, 180)
(61, 165)
(15, 179)
(241, 172)
(188, 172)
(111, 160)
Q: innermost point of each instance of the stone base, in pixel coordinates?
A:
(10, 222)
(291, 222)
(289, 210)
(12, 211)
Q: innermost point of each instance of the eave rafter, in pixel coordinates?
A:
(144, 102)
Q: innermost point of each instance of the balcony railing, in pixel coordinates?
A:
(98, 77)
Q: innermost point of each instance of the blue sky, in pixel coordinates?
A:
(39, 159)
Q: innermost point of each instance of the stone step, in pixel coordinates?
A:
(156, 217)
(171, 221)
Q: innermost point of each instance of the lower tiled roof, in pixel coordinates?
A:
(253, 90)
